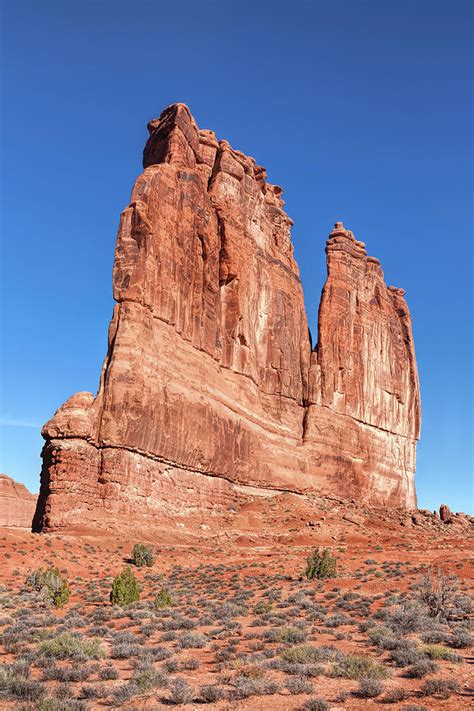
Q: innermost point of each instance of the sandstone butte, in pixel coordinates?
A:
(17, 505)
(211, 390)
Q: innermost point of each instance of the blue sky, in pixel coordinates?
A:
(361, 110)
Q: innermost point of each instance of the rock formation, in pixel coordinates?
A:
(211, 389)
(445, 513)
(17, 505)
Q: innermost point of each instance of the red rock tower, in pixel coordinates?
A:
(210, 388)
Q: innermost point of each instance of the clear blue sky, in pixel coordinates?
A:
(361, 110)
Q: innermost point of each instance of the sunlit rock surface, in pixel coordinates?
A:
(211, 390)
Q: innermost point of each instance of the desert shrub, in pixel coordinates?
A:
(461, 639)
(405, 654)
(320, 565)
(125, 650)
(438, 651)
(108, 673)
(142, 556)
(289, 635)
(413, 707)
(421, 668)
(437, 591)
(299, 685)
(25, 689)
(192, 640)
(316, 704)
(395, 695)
(150, 678)
(51, 585)
(124, 692)
(93, 691)
(308, 654)
(180, 691)
(69, 646)
(48, 703)
(66, 674)
(259, 686)
(440, 687)
(210, 693)
(357, 666)
(370, 688)
(406, 618)
(337, 620)
(262, 607)
(162, 600)
(125, 589)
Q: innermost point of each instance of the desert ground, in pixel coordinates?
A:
(245, 629)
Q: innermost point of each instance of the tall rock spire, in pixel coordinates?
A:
(209, 388)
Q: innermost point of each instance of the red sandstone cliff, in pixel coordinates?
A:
(17, 505)
(210, 388)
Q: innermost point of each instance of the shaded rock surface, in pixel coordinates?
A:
(211, 390)
(17, 504)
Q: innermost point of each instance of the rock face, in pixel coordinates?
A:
(17, 505)
(211, 389)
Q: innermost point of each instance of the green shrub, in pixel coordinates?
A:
(262, 607)
(162, 600)
(69, 646)
(289, 635)
(308, 654)
(50, 584)
(142, 556)
(357, 666)
(439, 651)
(125, 589)
(320, 565)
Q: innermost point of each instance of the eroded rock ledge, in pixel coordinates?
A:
(211, 383)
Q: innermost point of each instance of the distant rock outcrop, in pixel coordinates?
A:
(17, 505)
(211, 388)
(445, 513)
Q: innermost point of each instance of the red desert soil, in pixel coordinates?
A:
(215, 633)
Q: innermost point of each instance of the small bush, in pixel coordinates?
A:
(108, 673)
(150, 678)
(125, 589)
(192, 640)
(357, 666)
(50, 584)
(437, 592)
(211, 693)
(308, 654)
(69, 646)
(289, 635)
(316, 704)
(320, 565)
(461, 639)
(162, 600)
(438, 651)
(370, 688)
(181, 692)
(395, 695)
(262, 686)
(299, 685)
(421, 668)
(440, 687)
(142, 556)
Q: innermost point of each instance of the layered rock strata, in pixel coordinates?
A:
(17, 504)
(211, 389)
